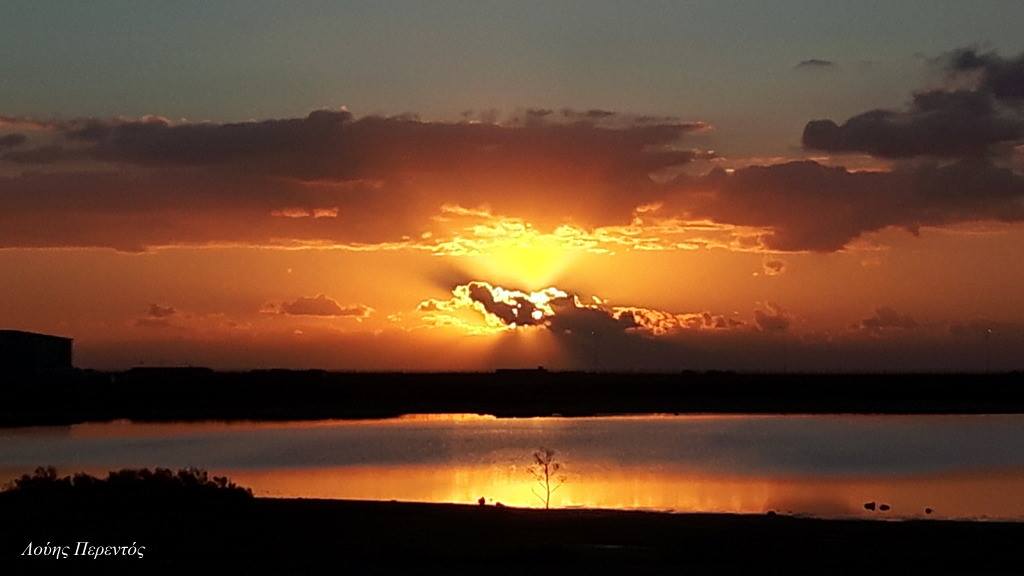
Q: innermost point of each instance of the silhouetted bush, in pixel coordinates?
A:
(158, 484)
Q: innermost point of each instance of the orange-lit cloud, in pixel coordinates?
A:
(773, 266)
(158, 311)
(305, 213)
(595, 182)
(772, 318)
(808, 206)
(562, 312)
(320, 305)
(886, 319)
(328, 178)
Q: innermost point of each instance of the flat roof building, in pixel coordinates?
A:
(29, 352)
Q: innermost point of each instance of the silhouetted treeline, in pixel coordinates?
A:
(202, 394)
(143, 484)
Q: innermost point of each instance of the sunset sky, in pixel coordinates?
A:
(472, 185)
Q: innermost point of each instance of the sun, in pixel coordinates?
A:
(530, 261)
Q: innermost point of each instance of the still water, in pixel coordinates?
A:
(959, 466)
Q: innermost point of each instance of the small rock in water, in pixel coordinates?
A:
(927, 510)
(870, 506)
(884, 507)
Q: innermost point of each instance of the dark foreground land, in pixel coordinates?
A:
(185, 394)
(202, 530)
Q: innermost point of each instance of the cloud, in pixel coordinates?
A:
(798, 206)
(960, 122)
(658, 322)
(938, 123)
(41, 155)
(158, 316)
(593, 180)
(305, 213)
(742, 350)
(815, 63)
(773, 266)
(500, 308)
(886, 319)
(320, 305)
(594, 334)
(1003, 78)
(158, 311)
(574, 319)
(328, 177)
(560, 312)
(25, 123)
(12, 140)
(590, 115)
(807, 206)
(772, 318)
(512, 307)
(476, 231)
(333, 144)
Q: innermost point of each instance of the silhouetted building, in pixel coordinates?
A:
(28, 352)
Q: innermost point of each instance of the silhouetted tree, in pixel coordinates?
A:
(545, 471)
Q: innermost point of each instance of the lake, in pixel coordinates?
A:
(830, 466)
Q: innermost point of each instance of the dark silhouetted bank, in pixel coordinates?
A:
(193, 394)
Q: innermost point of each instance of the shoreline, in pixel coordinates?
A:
(285, 422)
(598, 512)
(388, 536)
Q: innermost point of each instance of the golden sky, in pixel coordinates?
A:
(570, 238)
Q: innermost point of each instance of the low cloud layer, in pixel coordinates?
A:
(595, 334)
